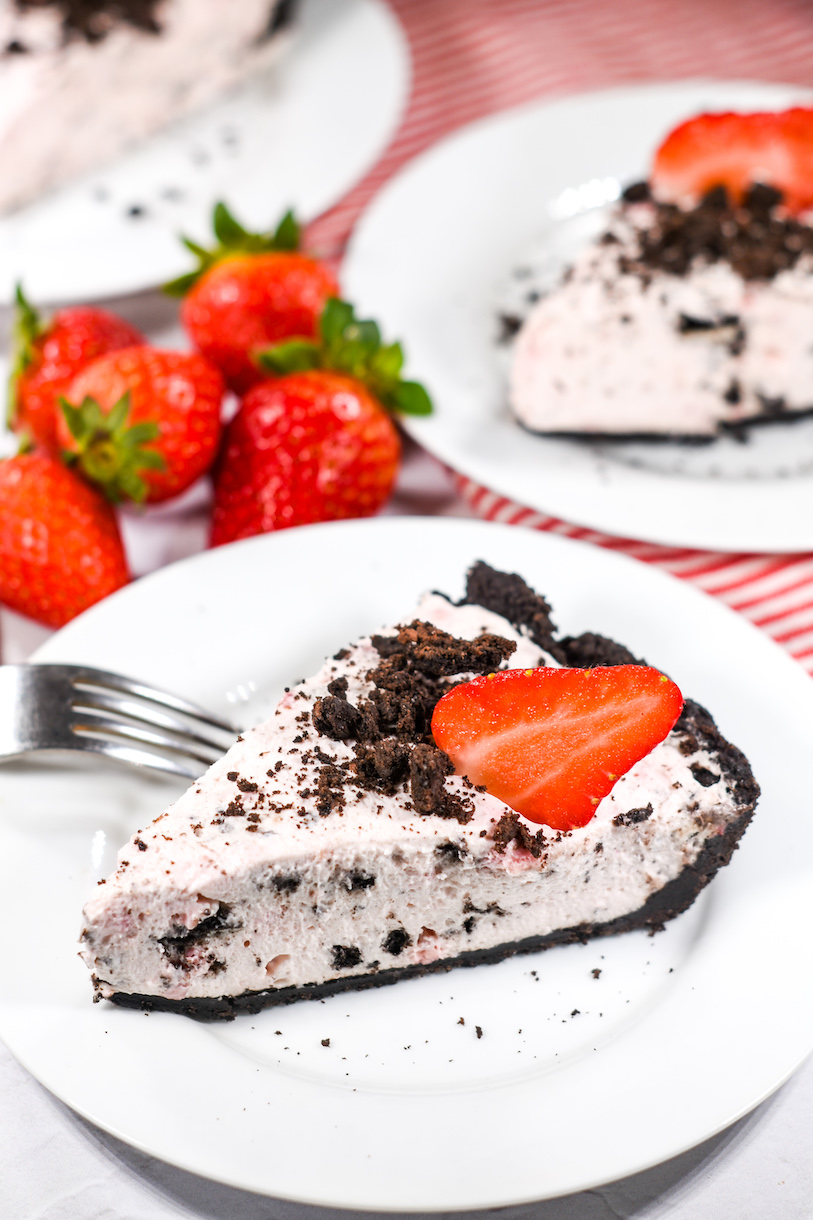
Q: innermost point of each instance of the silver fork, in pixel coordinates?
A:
(74, 707)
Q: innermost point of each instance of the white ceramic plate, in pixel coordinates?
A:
(428, 259)
(408, 1109)
(299, 136)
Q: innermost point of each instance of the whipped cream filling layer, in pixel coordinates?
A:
(243, 885)
(612, 350)
(66, 106)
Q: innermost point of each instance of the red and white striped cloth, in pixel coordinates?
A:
(471, 58)
(774, 591)
(474, 57)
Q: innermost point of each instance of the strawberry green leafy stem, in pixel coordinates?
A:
(234, 239)
(26, 329)
(348, 345)
(109, 453)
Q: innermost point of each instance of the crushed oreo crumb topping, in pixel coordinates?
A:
(633, 816)
(382, 766)
(753, 237)
(510, 829)
(93, 20)
(510, 325)
(392, 726)
(435, 654)
(636, 192)
(330, 788)
(334, 717)
(428, 768)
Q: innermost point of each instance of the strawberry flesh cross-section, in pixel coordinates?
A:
(736, 151)
(551, 743)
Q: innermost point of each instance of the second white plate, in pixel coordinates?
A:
(576, 1080)
(427, 260)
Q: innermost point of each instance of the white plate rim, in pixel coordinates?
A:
(386, 260)
(405, 538)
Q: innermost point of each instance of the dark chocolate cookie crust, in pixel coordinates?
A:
(739, 428)
(509, 596)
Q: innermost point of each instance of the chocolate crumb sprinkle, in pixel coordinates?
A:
(334, 717)
(510, 829)
(753, 236)
(93, 20)
(428, 768)
(633, 816)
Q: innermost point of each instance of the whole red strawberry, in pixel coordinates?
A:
(317, 444)
(310, 447)
(60, 549)
(551, 743)
(47, 356)
(143, 423)
(251, 291)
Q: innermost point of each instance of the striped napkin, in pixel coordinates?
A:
(774, 591)
(474, 57)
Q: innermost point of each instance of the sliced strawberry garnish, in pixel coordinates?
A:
(552, 742)
(736, 151)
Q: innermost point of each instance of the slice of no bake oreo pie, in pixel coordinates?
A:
(334, 847)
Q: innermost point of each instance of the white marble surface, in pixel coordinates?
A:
(56, 1166)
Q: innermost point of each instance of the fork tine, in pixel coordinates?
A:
(103, 679)
(103, 701)
(73, 707)
(179, 765)
(91, 723)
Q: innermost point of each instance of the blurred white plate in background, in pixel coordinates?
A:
(427, 260)
(297, 136)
